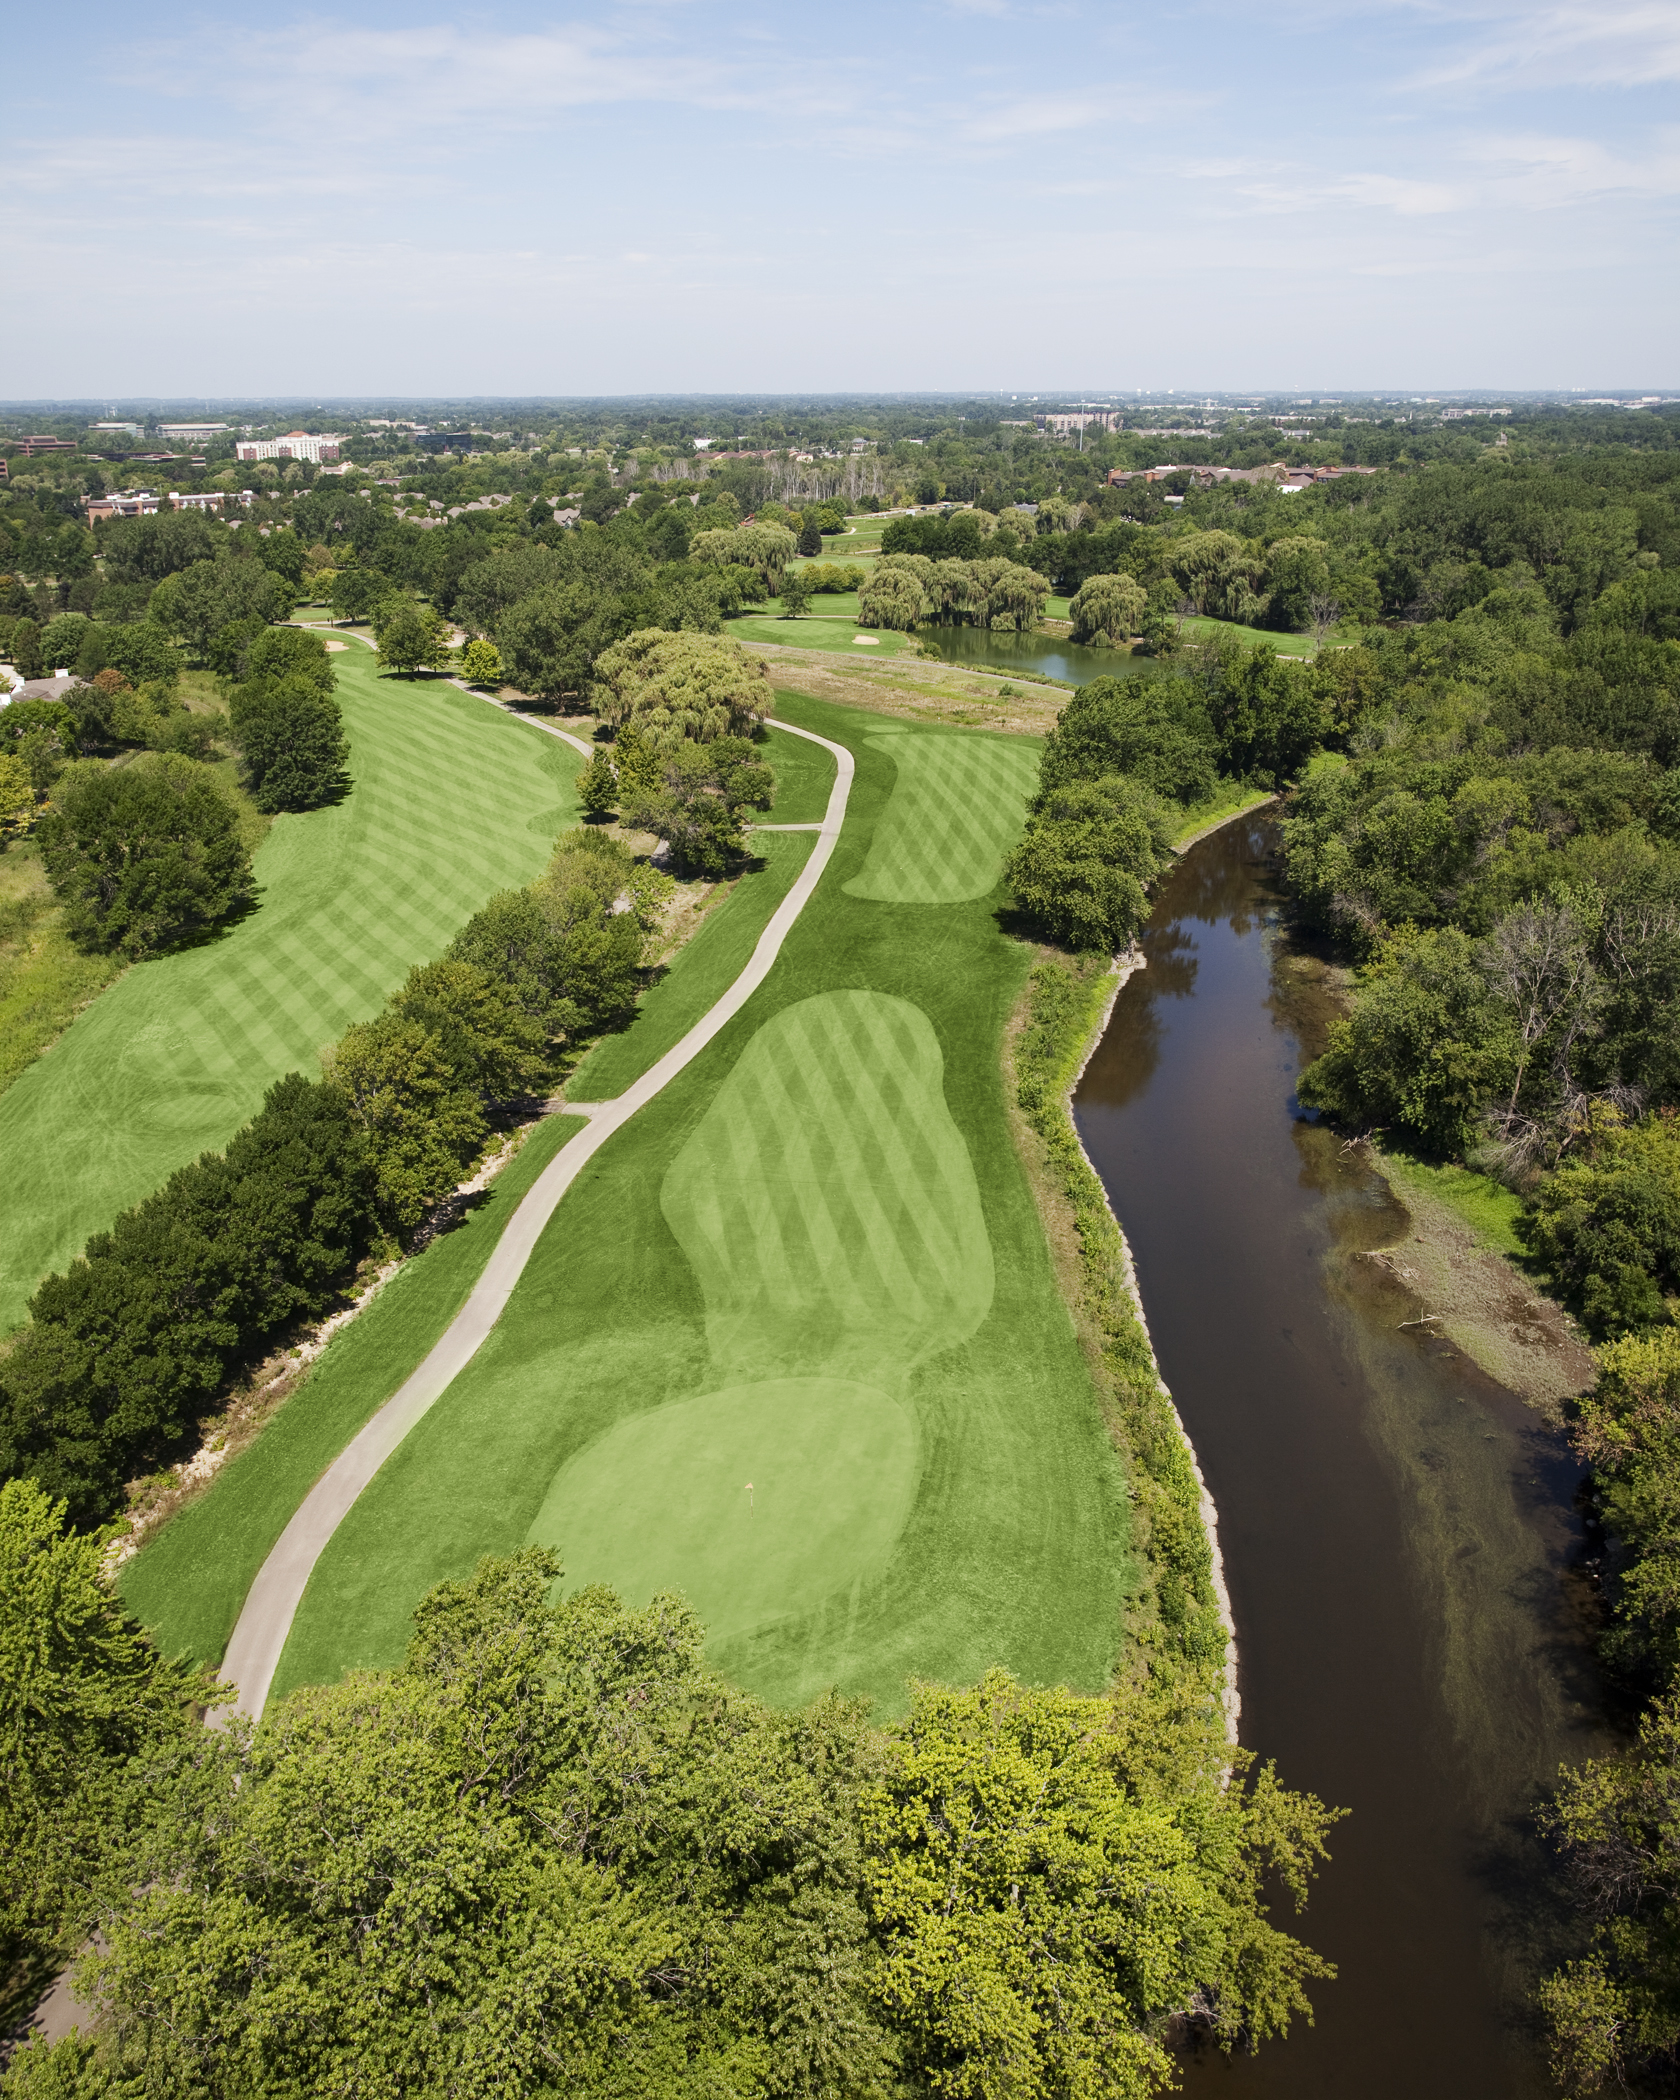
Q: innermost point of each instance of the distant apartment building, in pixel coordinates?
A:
(296, 444)
(122, 503)
(195, 433)
(1086, 419)
(145, 503)
(128, 429)
(32, 445)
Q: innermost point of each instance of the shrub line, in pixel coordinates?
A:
(1069, 1009)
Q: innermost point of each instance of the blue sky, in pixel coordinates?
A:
(678, 195)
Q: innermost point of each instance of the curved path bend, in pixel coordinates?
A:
(271, 1604)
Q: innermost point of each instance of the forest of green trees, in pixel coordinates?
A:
(551, 1853)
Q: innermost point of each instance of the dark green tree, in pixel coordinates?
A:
(199, 602)
(597, 786)
(127, 1348)
(292, 743)
(1088, 854)
(145, 858)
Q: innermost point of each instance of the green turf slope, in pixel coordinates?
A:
(812, 1264)
(452, 801)
(957, 809)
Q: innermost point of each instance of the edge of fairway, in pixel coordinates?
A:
(187, 1581)
(260, 1635)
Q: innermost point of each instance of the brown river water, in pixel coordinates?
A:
(1399, 1533)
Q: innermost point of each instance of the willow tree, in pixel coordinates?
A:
(1108, 608)
(893, 598)
(681, 688)
(767, 549)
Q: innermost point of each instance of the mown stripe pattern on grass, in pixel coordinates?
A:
(827, 1202)
(956, 809)
(451, 803)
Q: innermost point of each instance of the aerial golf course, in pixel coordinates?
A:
(452, 801)
(791, 1343)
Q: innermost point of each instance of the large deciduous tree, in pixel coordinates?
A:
(198, 602)
(146, 857)
(678, 687)
(1088, 854)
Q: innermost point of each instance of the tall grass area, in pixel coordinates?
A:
(44, 981)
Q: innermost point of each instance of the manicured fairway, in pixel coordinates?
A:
(811, 1264)
(189, 1581)
(831, 623)
(826, 1203)
(452, 801)
(957, 808)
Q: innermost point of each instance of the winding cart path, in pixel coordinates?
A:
(254, 1652)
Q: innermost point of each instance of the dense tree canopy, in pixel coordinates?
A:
(145, 858)
(555, 1854)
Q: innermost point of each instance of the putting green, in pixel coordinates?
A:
(956, 809)
(756, 1502)
(827, 1203)
(452, 801)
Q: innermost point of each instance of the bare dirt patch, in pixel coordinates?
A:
(1482, 1303)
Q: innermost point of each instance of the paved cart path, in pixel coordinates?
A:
(254, 1652)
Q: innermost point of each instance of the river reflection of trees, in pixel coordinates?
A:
(1216, 882)
(1210, 886)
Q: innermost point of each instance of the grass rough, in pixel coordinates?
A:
(1176, 1621)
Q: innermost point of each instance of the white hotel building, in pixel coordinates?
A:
(296, 444)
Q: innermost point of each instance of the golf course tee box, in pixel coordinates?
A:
(791, 1343)
(451, 801)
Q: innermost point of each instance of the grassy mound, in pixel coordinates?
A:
(452, 801)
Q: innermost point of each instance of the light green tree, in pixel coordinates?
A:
(17, 793)
(1108, 607)
(481, 663)
(893, 598)
(682, 687)
(82, 1693)
(1051, 1877)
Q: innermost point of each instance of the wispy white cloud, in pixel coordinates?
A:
(1538, 173)
(1607, 45)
